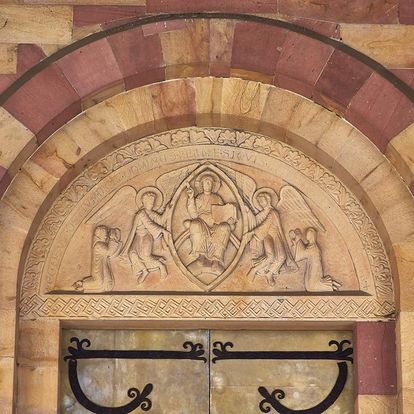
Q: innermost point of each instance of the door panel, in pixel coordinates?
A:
(235, 382)
(177, 383)
(217, 372)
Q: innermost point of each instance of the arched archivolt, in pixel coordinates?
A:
(143, 52)
(231, 103)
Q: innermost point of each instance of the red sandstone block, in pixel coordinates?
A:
(4, 180)
(401, 118)
(162, 27)
(241, 6)
(406, 75)
(406, 11)
(91, 68)
(375, 358)
(329, 29)
(340, 80)
(343, 11)
(257, 47)
(90, 15)
(44, 97)
(380, 111)
(137, 55)
(27, 56)
(301, 63)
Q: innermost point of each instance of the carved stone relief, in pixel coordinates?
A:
(209, 212)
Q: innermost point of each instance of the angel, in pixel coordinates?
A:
(268, 229)
(306, 248)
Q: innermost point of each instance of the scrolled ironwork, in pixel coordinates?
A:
(192, 351)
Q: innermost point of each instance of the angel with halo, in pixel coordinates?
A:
(146, 232)
(269, 228)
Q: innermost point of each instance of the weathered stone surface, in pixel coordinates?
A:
(405, 343)
(8, 332)
(376, 404)
(406, 11)
(14, 137)
(7, 366)
(8, 58)
(186, 46)
(35, 24)
(354, 11)
(221, 45)
(142, 61)
(240, 6)
(302, 61)
(87, 2)
(257, 47)
(376, 109)
(90, 15)
(46, 101)
(91, 68)
(341, 78)
(391, 45)
(400, 150)
(375, 358)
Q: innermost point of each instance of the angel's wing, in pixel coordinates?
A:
(117, 212)
(244, 184)
(295, 212)
(169, 182)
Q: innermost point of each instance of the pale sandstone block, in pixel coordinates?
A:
(14, 227)
(39, 24)
(103, 95)
(392, 200)
(41, 177)
(391, 45)
(77, 34)
(349, 149)
(280, 107)
(244, 98)
(376, 404)
(208, 95)
(310, 122)
(400, 152)
(44, 380)
(406, 401)
(135, 107)
(88, 2)
(25, 195)
(251, 75)
(32, 349)
(405, 357)
(8, 59)
(14, 137)
(84, 133)
(186, 71)
(6, 384)
(404, 259)
(189, 45)
(8, 332)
